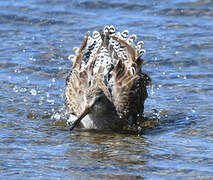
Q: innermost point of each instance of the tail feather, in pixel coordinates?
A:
(80, 53)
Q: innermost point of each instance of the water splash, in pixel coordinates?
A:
(33, 92)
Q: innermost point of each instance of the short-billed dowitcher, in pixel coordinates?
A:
(106, 87)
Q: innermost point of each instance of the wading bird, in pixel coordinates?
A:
(106, 87)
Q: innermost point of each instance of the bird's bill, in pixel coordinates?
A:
(77, 121)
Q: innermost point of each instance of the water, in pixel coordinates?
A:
(36, 37)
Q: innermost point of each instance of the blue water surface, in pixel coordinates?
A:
(36, 37)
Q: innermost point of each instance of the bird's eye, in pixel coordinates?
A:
(90, 83)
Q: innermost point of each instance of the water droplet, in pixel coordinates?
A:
(56, 116)
(23, 89)
(15, 89)
(53, 79)
(152, 90)
(17, 70)
(50, 101)
(193, 110)
(32, 58)
(33, 92)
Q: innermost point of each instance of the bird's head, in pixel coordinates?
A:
(94, 99)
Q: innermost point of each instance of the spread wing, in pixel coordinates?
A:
(129, 91)
(77, 81)
(84, 77)
(123, 80)
(74, 92)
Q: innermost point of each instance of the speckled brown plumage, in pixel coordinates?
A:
(106, 87)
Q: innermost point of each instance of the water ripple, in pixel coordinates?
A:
(36, 38)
